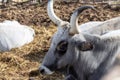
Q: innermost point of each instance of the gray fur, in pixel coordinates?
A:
(92, 61)
(112, 24)
(92, 64)
(95, 63)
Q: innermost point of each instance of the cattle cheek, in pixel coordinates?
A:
(50, 60)
(53, 66)
(61, 64)
(64, 61)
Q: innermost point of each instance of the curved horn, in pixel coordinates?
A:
(74, 19)
(51, 13)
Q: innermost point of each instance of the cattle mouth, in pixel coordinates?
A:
(45, 70)
(63, 69)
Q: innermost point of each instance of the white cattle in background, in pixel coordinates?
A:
(13, 35)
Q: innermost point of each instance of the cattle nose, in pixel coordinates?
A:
(42, 71)
(45, 70)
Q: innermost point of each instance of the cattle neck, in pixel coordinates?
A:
(83, 72)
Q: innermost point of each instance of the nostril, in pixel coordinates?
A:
(42, 71)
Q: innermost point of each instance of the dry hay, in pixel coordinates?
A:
(22, 63)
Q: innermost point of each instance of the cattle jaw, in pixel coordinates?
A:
(44, 70)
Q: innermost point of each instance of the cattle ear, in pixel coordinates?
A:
(85, 46)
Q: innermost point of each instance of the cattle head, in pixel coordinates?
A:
(59, 42)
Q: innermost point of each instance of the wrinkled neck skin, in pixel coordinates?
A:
(92, 65)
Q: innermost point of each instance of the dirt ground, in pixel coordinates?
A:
(22, 63)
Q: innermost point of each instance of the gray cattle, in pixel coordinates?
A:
(66, 31)
(92, 56)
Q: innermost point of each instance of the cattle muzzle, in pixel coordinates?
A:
(44, 70)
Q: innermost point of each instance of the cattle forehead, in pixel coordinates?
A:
(61, 34)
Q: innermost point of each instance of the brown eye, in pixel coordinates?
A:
(62, 47)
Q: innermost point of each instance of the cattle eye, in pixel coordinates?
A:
(62, 47)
